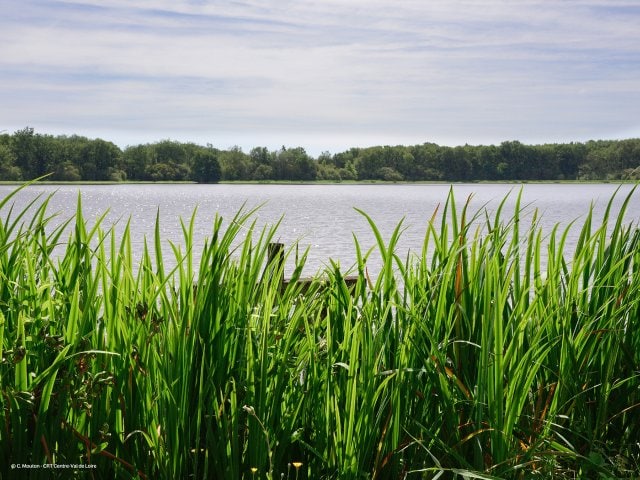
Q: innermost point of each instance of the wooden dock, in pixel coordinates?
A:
(275, 266)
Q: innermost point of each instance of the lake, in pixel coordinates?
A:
(321, 217)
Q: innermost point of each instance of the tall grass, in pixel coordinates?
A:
(492, 354)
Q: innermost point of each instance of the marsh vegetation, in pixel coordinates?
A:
(473, 359)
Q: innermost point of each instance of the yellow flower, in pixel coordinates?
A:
(297, 464)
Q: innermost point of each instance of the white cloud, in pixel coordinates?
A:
(375, 71)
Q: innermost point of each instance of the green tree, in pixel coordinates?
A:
(456, 165)
(23, 145)
(348, 172)
(263, 172)
(235, 164)
(569, 158)
(487, 159)
(520, 159)
(406, 164)
(206, 167)
(340, 160)
(67, 157)
(9, 171)
(389, 174)
(427, 163)
(260, 156)
(101, 161)
(369, 163)
(169, 161)
(169, 151)
(136, 159)
(67, 171)
(168, 172)
(328, 171)
(294, 164)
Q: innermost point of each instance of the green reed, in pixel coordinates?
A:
(491, 354)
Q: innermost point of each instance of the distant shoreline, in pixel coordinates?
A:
(327, 182)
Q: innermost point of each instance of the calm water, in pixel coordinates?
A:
(321, 217)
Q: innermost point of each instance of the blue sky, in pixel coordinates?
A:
(323, 75)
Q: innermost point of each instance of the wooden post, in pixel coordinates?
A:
(275, 266)
(275, 262)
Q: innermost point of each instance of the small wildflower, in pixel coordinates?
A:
(297, 466)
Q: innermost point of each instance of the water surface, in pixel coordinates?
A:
(321, 217)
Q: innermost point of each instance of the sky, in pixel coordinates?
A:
(325, 75)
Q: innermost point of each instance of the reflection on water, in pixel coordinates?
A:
(322, 217)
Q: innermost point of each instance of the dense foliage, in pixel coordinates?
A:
(27, 155)
(491, 355)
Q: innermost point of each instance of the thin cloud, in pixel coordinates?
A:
(334, 73)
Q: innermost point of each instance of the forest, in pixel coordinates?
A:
(26, 154)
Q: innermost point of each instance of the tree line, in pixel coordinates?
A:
(26, 155)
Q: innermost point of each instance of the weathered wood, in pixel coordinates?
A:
(275, 263)
(306, 282)
(275, 266)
